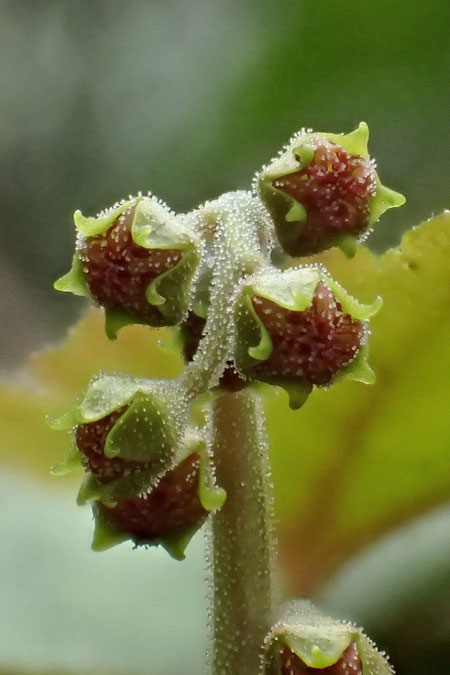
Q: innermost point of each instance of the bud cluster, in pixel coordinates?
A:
(243, 318)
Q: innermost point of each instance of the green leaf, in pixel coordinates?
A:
(379, 454)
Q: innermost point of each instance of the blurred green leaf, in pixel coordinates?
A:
(56, 377)
(399, 590)
(356, 460)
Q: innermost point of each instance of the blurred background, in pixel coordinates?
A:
(100, 99)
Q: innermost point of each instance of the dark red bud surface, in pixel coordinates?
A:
(118, 271)
(171, 506)
(311, 345)
(334, 188)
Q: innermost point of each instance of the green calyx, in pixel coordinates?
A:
(75, 280)
(290, 216)
(292, 289)
(147, 431)
(319, 641)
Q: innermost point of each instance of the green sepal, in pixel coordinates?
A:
(104, 395)
(293, 291)
(126, 486)
(75, 279)
(348, 245)
(89, 490)
(143, 433)
(383, 199)
(297, 390)
(297, 213)
(115, 319)
(93, 226)
(170, 292)
(349, 304)
(176, 544)
(154, 226)
(71, 462)
(358, 369)
(253, 343)
(319, 641)
(355, 143)
(105, 535)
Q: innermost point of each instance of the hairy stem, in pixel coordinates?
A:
(241, 536)
(236, 251)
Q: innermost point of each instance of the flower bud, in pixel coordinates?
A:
(299, 328)
(148, 482)
(137, 262)
(304, 642)
(323, 191)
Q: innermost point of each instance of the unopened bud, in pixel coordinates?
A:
(323, 191)
(148, 483)
(299, 328)
(137, 262)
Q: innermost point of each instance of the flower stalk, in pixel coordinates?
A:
(242, 536)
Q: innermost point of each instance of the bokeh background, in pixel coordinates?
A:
(99, 99)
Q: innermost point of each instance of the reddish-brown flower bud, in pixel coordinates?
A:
(137, 261)
(298, 328)
(334, 189)
(118, 271)
(323, 191)
(172, 505)
(311, 345)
